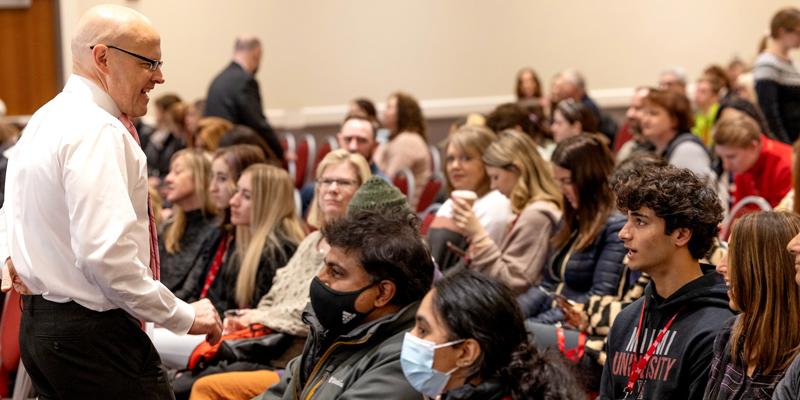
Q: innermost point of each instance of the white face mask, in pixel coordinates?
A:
(416, 359)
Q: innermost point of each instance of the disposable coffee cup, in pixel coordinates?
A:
(467, 195)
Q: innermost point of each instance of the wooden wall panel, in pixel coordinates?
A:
(29, 70)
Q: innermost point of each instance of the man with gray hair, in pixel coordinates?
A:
(673, 79)
(570, 84)
(77, 232)
(234, 94)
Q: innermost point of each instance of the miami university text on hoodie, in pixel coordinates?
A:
(680, 364)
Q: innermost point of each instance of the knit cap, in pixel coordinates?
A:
(374, 193)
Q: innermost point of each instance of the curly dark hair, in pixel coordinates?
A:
(679, 197)
(471, 305)
(389, 248)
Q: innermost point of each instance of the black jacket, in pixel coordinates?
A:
(680, 365)
(492, 389)
(595, 270)
(176, 267)
(234, 95)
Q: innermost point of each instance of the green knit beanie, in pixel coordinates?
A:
(374, 193)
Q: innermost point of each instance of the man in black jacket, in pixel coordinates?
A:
(660, 347)
(234, 93)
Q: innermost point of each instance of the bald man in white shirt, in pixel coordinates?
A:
(76, 230)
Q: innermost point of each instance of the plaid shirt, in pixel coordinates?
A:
(732, 380)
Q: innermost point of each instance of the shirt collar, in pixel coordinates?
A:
(83, 87)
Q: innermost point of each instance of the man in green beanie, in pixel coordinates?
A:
(377, 193)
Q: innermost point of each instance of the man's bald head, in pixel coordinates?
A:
(111, 47)
(112, 25)
(247, 52)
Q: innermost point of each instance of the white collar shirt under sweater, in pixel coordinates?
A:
(75, 218)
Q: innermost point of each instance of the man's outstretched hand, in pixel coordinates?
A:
(12, 279)
(206, 321)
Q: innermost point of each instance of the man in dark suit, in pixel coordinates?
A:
(234, 93)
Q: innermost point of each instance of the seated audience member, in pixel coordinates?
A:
(530, 120)
(267, 232)
(761, 167)
(571, 118)
(570, 84)
(754, 349)
(673, 79)
(162, 143)
(362, 303)
(208, 133)
(518, 172)
(455, 350)
(193, 219)
(408, 143)
(706, 97)
(281, 308)
(529, 88)
(466, 171)
(226, 169)
(673, 219)
(666, 123)
(241, 134)
(777, 76)
(363, 107)
(194, 114)
(789, 387)
(721, 74)
(357, 135)
(587, 254)
(746, 88)
(629, 137)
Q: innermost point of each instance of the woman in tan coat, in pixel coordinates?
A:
(518, 171)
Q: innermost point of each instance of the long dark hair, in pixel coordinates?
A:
(474, 306)
(588, 159)
(409, 116)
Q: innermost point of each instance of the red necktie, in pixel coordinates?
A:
(155, 264)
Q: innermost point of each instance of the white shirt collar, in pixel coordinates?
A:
(81, 86)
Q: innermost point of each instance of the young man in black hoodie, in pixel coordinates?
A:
(660, 347)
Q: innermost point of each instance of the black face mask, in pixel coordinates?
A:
(336, 310)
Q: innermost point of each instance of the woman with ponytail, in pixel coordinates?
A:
(455, 351)
(267, 232)
(777, 76)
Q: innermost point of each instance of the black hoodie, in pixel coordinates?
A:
(680, 365)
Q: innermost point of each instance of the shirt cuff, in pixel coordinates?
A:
(182, 320)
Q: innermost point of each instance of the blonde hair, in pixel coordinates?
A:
(211, 130)
(736, 129)
(273, 221)
(357, 161)
(466, 138)
(201, 176)
(515, 151)
(763, 287)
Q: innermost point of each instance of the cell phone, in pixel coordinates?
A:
(563, 302)
(456, 250)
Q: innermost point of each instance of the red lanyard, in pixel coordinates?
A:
(641, 363)
(212, 273)
(573, 354)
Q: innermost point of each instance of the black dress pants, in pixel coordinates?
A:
(72, 352)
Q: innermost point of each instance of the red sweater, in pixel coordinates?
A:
(770, 177)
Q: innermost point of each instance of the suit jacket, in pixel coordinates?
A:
(234, 95)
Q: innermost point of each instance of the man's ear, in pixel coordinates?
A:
(682, 236)
(386, 292)
(100, 58)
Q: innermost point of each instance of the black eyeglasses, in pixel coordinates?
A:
(154, 64)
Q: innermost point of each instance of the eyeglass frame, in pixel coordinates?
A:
(339, 182)
(154, 64)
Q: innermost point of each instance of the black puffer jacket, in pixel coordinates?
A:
(596, 270)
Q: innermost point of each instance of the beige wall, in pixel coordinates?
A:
(457, 55)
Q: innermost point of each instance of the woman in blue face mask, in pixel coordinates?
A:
(469, 342)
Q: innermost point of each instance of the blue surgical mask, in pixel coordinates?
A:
(416, 359)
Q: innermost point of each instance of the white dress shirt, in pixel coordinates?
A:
(75, 219)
